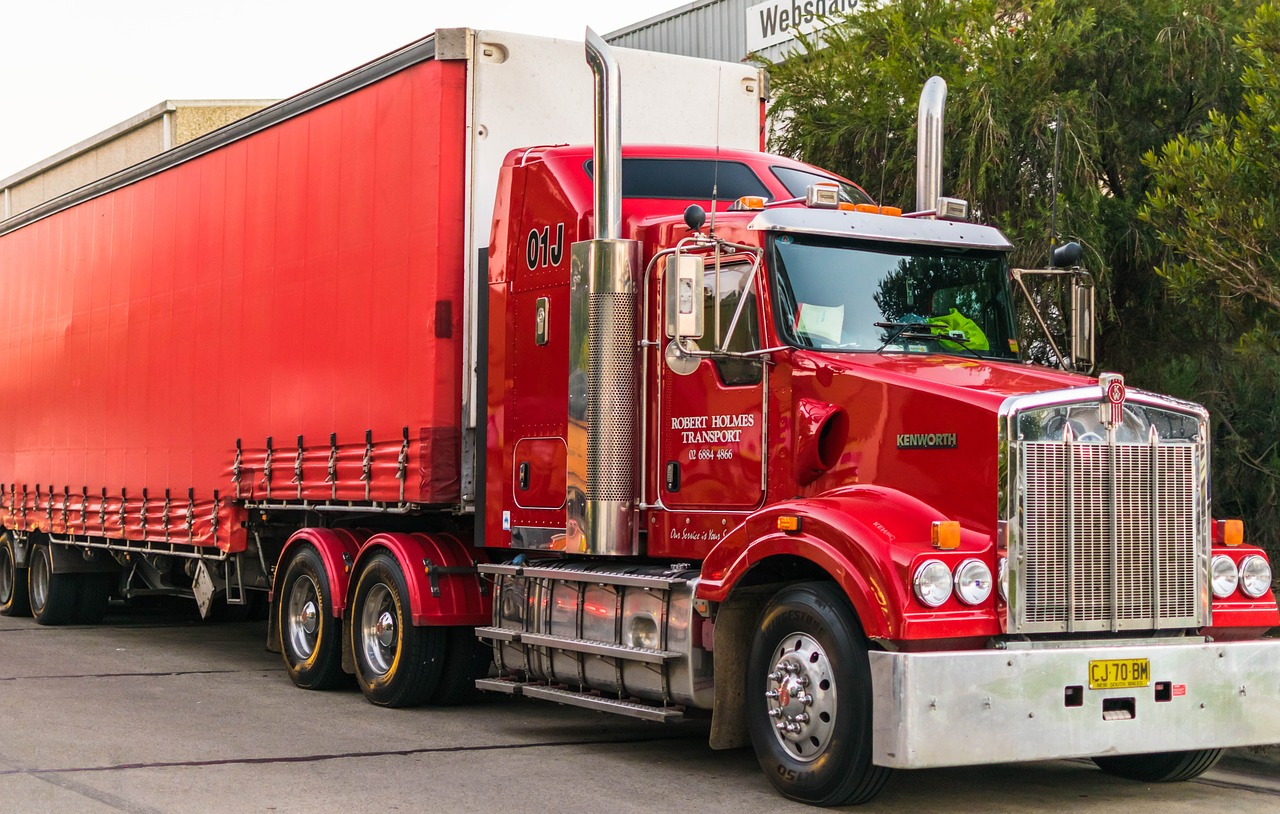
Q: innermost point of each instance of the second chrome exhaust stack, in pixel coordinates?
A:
(933, 102)
(603, 440)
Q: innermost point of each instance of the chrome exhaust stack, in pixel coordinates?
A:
(933, 101)
(603, 440)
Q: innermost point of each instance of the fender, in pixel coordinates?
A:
(868, 538)
(338, 549)
(440, 571)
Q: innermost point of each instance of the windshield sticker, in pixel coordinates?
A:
(820, 321)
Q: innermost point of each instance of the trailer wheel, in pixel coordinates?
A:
(95, 594)
(1160, 767)
(397, 663)
(310, 639)
(55, 598)
(809, 698)
(13, 581)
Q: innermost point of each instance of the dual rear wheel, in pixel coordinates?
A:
(52, 598)
(397, 663)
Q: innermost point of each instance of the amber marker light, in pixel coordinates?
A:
(789, 523)
(747, 203)
(1229, 532)
(946, 534)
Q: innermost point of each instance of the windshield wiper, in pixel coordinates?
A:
(919, 330)
(925, 330)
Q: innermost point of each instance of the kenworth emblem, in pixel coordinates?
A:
(927, 440)
(1111, 411)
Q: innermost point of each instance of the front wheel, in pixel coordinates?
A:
(397, 663)
(809, 699)
(13, 581)
(310, 639)
(1160, 767)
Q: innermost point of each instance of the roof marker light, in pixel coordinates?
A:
(747, 203)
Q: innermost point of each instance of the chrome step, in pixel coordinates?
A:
(608, 649)
(573, 575)
(631, 709)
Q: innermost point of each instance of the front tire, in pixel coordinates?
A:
(397, 664)
(809, 698)
(13, 581)
(310, 639)
(55, 598)
(1160, 767)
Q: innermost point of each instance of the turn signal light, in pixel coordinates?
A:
(946, 534)
(1228, 532)
(747, 203)
(788, 522)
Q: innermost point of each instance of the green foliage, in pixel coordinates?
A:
(1213, 207)
(1126, 78)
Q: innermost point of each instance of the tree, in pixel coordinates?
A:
(1124, 78)
(1213, 207)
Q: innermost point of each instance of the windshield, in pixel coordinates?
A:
(836, 295)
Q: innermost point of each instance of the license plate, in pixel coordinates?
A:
(1111, 674)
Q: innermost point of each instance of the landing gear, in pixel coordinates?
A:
(397, 663)
(809, 699)
(310, 639)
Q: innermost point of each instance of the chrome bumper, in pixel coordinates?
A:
(998, 706)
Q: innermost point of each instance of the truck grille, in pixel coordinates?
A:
(1108, 536)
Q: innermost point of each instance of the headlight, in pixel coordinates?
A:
(1225, 576)
(1004, 578)
(932, 583)
(973, 582)
(1255, 576)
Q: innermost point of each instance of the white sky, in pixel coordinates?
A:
(72, 68)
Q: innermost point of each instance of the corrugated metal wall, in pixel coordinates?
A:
(712, 29)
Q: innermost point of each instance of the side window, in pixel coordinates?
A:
(746, 334)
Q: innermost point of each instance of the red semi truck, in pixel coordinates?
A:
(667, 430)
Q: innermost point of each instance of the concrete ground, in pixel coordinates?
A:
(149, 712)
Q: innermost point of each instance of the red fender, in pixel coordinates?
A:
(869, 539)
(458, 600)
(332, 544)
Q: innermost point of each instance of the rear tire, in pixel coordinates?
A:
(1160, 767)
(55, 598)
(809, 673)
(13, 581)
(397, 663)
(310, 636)
(95, 593)
(466, 659)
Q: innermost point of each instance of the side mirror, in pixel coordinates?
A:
(685, 318)
(1082, 321)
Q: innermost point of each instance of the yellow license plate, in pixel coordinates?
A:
(1111, 674)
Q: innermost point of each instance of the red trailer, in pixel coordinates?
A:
(675, 429)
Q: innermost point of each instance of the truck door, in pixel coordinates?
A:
(711, 423)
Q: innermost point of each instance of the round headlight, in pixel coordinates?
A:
(1225, 576)
(973, 582)
(1255, 576)
(1003, 583)
(932, 583)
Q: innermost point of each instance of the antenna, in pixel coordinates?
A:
(1057, 150)
(715, 173)
(884, 167)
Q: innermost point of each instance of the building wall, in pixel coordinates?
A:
(147, 134)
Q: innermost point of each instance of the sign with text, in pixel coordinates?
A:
(777, 21)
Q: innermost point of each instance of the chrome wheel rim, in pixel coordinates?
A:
(39, 587)
(800, 697)
(379, 638)
(8, 575)
(303, 618)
